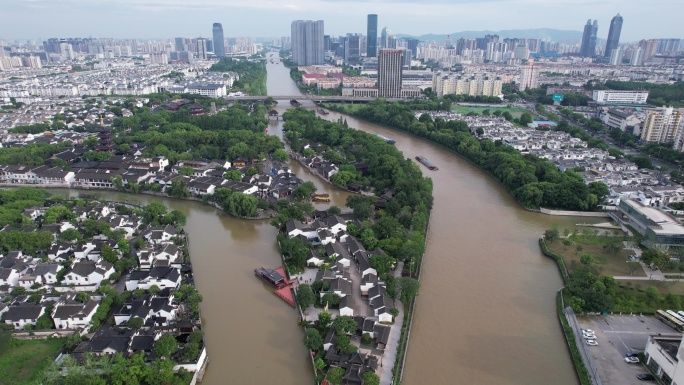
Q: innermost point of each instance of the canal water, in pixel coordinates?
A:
(485, 313)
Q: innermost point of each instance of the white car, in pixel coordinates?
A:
(589, 336)
(632, 360)
(591, 342)
(589, 331)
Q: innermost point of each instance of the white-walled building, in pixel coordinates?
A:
(619, 97)
(665, 357)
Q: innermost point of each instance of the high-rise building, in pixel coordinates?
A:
(616, 56)
(383, 37)
(649, 48)
(528, 76)
(669, 45)
(307, 42)
(372, 34)
(613, 35)
(663, 125)
(390, 62)
(521, 52)
(180, 44)
(352, 49)
(219, 48)
(391, 41)
(201, 48)
(67, 51)
(412, 44)
(637, 57)
(588, 48)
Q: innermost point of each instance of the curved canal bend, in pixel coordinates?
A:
(485, 314)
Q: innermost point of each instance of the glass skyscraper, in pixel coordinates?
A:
(613, 35)
(372, 35)
(219, 48)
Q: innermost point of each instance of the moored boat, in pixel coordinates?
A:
(386, 139)
(295, 103)
(426, 163)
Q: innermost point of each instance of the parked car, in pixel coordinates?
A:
(632, 355)
(631, 360)
(587, 331)
(645, 377)
(591, 342)
(589, 336)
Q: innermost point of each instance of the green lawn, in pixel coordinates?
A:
(609, 262)
(516, 112)
(22, 361)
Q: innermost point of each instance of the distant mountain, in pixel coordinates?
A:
(558, 35)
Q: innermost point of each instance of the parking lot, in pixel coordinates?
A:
(617, 336)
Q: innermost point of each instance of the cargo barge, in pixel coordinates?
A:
(295, 103)
(322, 111)
(426, 163)
(386, 139)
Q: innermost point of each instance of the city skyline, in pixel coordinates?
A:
(157, 19)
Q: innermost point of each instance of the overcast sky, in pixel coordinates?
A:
(31, 19)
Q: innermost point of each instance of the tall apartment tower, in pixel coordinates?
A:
(390, 62)
(528, 76)
(219, 47)
(307, 42)
(616, 56)
(372, 34)
(588, 48)
(663, 125)
(201, 48)
(383, 38)
(180, 44)
(613, 35)
(649, 48)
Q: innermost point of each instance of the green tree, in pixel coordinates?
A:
(70, 235)
(280, 155)
(57, 213)
(242, 205)
(179, 189)
(319, 364)
(304, 191)
(324, 319)
(233, 175)
(334, 376)
(154, 213)
(165, 346)
(654, 257)
(577, 304)
(525, 119)
(313, 339)
(305, 296)
(587, 259)
(186, 171)
(344, 325)
(551, 234)
(408, 289)
(175, 218)
(370, 378)
(117, 181)
(108, 254)
(44, 322)
(135, 323)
